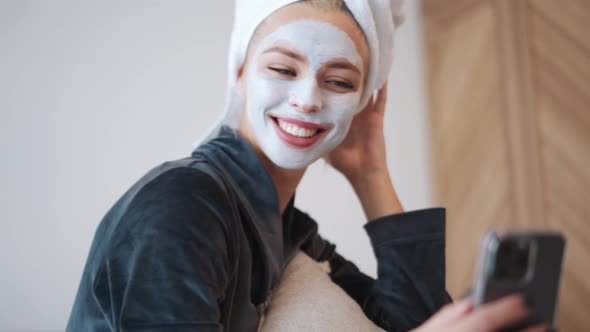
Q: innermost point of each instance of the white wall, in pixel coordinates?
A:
(94, 94)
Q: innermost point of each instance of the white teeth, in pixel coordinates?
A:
(296, 130)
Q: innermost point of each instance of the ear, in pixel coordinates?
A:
(240, 81)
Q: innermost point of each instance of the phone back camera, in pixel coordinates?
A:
(513, 259)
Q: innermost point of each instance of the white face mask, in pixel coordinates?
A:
(298, 143)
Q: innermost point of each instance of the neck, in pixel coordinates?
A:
(285, 181)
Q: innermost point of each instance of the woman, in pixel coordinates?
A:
(198, 244)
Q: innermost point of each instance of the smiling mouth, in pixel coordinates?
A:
(299, 134)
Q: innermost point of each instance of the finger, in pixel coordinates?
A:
(456, 311)
(381, 99)
(497, 314)
(369, 105)
(536, 328)
(450, 313)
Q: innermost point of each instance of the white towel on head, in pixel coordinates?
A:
(377, 18)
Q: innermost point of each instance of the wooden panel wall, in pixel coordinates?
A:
(509, 101)
(560, 58)
(468, 136)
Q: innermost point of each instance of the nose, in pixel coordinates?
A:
(307, 97)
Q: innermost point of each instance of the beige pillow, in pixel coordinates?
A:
(306, 299)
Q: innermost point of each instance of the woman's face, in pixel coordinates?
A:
(302, 82)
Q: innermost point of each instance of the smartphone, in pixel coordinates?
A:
(525, 262)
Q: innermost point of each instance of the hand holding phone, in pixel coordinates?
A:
(491, 317)
(525, 262)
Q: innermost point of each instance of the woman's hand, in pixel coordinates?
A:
(361, 159)
(363, 150)
(462, 317)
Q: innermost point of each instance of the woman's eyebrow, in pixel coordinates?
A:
(344, 65)
(286, 52)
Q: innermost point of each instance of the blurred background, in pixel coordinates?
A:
(488, 115)
(508, 86)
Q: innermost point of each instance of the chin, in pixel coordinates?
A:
(289, 158)
(290, 162)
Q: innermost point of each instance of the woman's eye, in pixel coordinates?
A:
(341, 84)
(283, 71)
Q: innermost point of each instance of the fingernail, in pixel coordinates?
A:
(464, 303)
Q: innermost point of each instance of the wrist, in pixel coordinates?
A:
(377, 195)
(369, 177)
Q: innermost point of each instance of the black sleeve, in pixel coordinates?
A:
(169, 265)
(410, 284)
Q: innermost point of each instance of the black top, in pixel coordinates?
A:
(198, 243)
